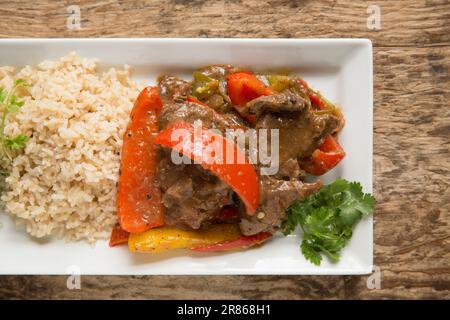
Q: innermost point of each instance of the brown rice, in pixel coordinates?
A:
(64, 181)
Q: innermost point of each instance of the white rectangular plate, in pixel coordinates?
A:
(340, 68)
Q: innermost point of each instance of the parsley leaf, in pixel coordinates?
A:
(18, 142)
(327, 218)
(21, 83)
(3, 94)
(10, 104)
(14, 104)
(311, 253)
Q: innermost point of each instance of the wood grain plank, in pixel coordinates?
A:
(171, 287)
(403, 22)
(411, 134)
(411, 185)
(412, 170)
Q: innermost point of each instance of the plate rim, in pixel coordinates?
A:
(364, 42)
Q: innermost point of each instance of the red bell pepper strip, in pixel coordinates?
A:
(118, 236)
(329, 154)
(242, 243)
(139, 205)
(244, 87)
(195, 100)
(239, 175)
(330, 144)
(316, 101)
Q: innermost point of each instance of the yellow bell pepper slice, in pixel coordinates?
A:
(168, 238)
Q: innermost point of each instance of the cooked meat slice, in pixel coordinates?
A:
(290, 170)
(190, 112)
(217, 71)
(179, 191)
(286, 101)
(192, 196)
(277, 196)
(172, 88)
(300, 133)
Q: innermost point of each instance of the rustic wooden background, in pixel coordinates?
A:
(411, 127)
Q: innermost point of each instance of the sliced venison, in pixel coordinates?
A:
(282, 103)
(172, 88)
(191, 112)
(192, 196)
(277, 196)
(300, 133)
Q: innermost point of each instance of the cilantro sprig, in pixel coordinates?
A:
(10, 104)
(327, 218)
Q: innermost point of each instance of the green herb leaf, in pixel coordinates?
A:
(20, 83)
(18, 142)
(9, 103)
(14, 104)
(311, 253)
(3, 94)
(327, 218)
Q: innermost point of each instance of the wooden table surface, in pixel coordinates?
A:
(411, 134)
